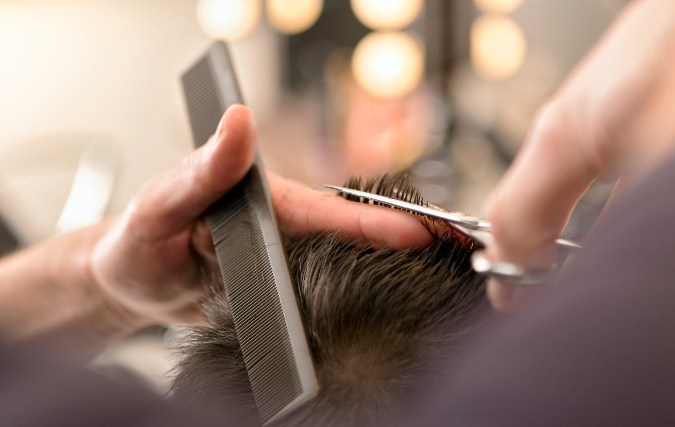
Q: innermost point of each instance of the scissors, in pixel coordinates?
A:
(478, 229)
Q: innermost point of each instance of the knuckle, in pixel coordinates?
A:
(551, 125)
(187, 165)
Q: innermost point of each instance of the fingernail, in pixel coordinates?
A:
(221, 126)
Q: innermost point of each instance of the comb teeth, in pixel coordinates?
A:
(202, 100)
(251, 258)
(254, 301)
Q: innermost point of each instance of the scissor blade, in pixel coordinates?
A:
(451, 217)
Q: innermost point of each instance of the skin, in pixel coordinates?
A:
(612, 117)
(146, 266)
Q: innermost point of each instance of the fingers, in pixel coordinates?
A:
(537, 195)
(174, 201)
(301, 210)
(536, 198)
(601, 121)
(202, 241)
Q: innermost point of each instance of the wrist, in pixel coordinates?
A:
(106, 318)
(48, 292)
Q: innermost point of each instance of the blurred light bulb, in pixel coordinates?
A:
(293, 16)
(498, 46)
(386, 14)
(388, 64)
(228, 19)
(503, 6)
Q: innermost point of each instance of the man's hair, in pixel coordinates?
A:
(378, 324)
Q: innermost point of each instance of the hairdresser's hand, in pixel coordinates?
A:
(152, 260)
(613, 116)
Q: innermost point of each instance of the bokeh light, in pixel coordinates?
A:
(293, 16)
(386, 14)
(503, 6)
(228, 19)
(388, 64)
(498, 46)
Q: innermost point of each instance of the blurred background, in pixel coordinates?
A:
(91, 107)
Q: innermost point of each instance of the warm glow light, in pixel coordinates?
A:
(388, 64)
(293, 16)
(503, 6)
(498, 46)
(228, 19)
(386, 14)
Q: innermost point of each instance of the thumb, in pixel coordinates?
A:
(174, 201)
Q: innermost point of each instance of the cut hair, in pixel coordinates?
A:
(378, 324)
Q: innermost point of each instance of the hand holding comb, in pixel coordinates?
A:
(251, 256)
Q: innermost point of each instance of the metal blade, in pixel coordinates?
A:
(454, 218)
(451, 217)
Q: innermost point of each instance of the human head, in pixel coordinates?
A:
(378, 324)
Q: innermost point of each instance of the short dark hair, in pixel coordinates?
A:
(373, 320)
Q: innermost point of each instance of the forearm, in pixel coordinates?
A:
(47, 291)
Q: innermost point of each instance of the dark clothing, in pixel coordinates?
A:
(39, 388)
(596, 349)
